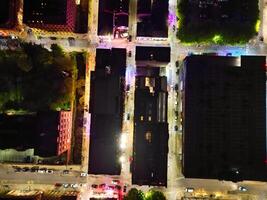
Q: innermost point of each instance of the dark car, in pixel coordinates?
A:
(66, 171)
(130, 54)
(58, 184)
(118, 187)
(18, 169)
(129, 38)
(103, 185)
(176, 87)
(125, 189)
(34, 169)
(25, 169)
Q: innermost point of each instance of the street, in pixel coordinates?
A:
(176, 182)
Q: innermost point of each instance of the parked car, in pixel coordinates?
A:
(42, 170)
(58, 184)
(243, 189)
(34, 169)
(125, 189)
(25, 169)
(18, 169)
(66, 171)
(130, 54)
(115, 182)
(49, 171)
(190, 190)
(83, 174)
(129, 38)
(74, 185)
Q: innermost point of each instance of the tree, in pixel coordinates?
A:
(135, 194)
(57, 51)
(34, 78)
(154, 195)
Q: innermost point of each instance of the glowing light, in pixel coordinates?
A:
(109, 192)
(122, 159)
(171, 18)
(123, 141)
(257, 25)
(130, 75)
(217, 39)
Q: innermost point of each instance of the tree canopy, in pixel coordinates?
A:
(154, 195)
(33, 78)
(135, 194)
(222, 22)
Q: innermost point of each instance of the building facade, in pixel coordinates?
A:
(59, 15)
(64, 130)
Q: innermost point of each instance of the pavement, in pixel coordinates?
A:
(176, 182)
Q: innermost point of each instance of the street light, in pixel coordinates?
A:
(122, 159)
(123, 141)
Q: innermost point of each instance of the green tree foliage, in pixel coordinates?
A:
(135, 194)
(34, 78)
(57, 51)
(154, 195)
(237, 29)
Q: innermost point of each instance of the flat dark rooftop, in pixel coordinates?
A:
(153, 18)
(149, 166)
(160, 54)
(22, 132)
(45, 11)
(224, 118)
(106, 10)
(8, 10)
(106, 108)
(4, 10)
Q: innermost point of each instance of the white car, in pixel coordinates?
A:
(74, 185)
(243, 189)
(41, 171)
(189, 190)
(83, 174)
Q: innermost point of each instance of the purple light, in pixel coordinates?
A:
(130, 75)
(172, 19)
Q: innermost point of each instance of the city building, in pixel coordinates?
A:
(150, 148)
(152, 56)
(44, 134)
(65, 130)
(113, 18)
(106, 109)
(223, 117)
(152, 18)
(51, 15)
(8, 10)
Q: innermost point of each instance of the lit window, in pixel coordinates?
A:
(148, 137)
(142, 118)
